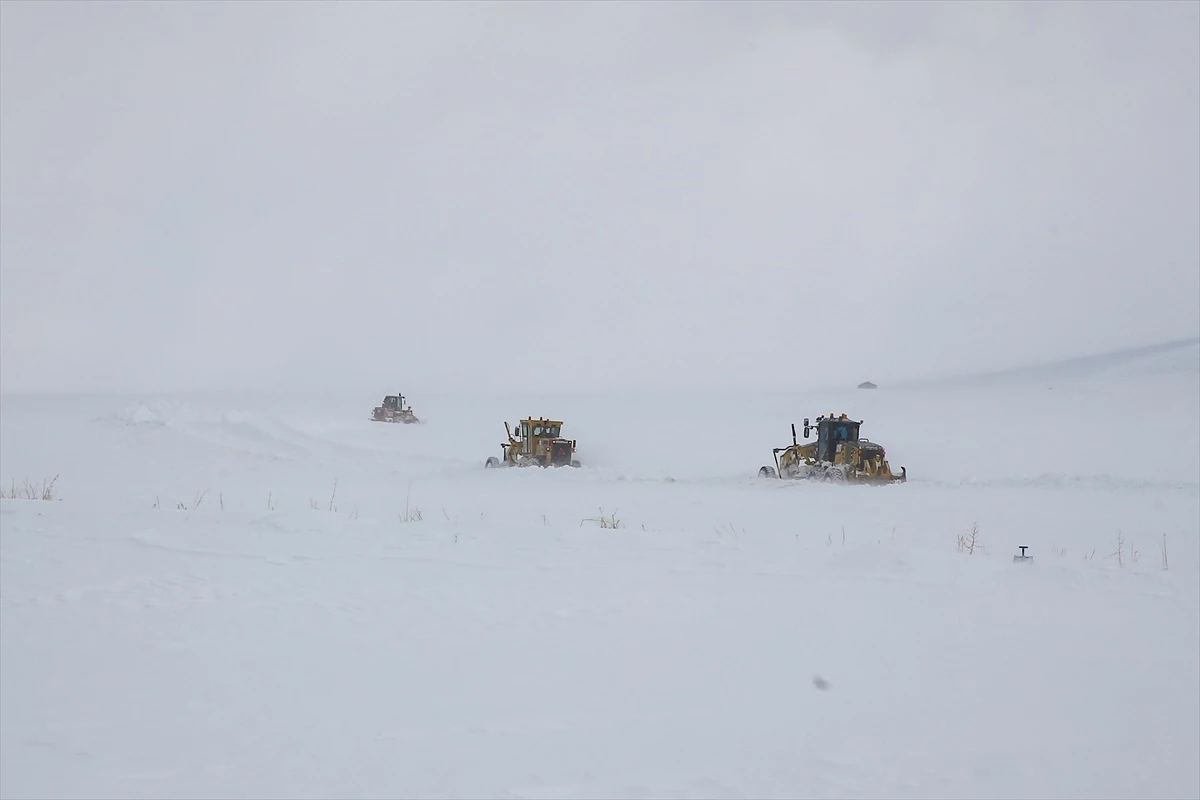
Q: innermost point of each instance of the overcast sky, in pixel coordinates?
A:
(579, 195)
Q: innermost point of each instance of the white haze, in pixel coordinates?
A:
(450, 196)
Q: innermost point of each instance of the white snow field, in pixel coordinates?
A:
(197, 614)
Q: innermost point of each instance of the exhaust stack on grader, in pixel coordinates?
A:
(838, 455)
(538, 443)
(394, 410)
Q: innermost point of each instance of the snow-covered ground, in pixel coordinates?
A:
(225, 600)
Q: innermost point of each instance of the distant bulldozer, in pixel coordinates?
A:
(394, 410)
(839, 454)
(538, 443)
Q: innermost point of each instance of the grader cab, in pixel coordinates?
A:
(394, 410)
(538, 443)
(839, 454)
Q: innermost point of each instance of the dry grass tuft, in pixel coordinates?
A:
(971, 541)
(412, 513)
(1119, 552)
(610, 521)
(28, 490)
(196, 501)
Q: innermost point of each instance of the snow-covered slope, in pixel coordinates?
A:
(1177, 358)
(227, 599)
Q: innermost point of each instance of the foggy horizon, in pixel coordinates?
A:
(577, 197)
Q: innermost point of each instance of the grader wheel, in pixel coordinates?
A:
(836, 474)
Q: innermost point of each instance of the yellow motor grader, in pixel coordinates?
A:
(538, 443)
(838, 455)
(394, 410)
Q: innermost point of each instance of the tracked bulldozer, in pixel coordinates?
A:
(838, 455)
(537, 443)
(394, 410)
